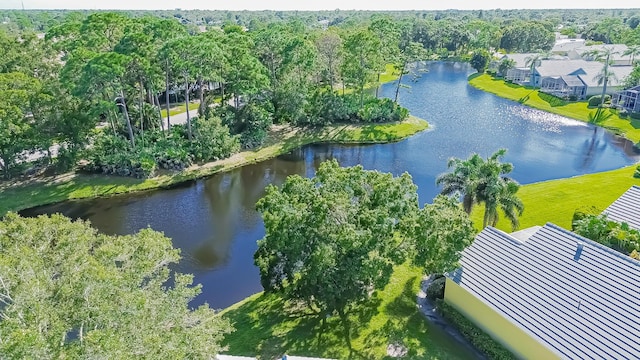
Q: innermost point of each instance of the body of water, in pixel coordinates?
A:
(214, 222)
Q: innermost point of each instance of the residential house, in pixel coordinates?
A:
(521, 72)
(628, 99)
(626, 208)
(560, 77)
(564, 46)
(617, 59)
(547, 293)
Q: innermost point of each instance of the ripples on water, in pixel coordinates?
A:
(547, 121)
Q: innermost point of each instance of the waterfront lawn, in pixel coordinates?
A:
(556, 200)
(15, 197)
(266, 325)
(529, 96)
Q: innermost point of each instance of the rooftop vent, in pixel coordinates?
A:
(576, 257)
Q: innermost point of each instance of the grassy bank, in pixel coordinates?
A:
(265, 325)
(556, 200)
(630, 128)
(14, 197)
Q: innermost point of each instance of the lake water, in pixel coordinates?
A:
(214, 220)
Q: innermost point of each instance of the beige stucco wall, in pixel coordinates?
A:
(501, 329)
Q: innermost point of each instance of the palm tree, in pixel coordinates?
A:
(603, 55)
(484, 181)
(505, 66)
(604, 76)
(462, 180)
(633, 50)
(532, 62)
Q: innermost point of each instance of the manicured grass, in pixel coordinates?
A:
(281, 140)
(179, 109)
(630, 128)
(268, 326)
(556, 200)
(380, 133)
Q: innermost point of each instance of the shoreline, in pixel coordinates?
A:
(19, 195)
(578, 110)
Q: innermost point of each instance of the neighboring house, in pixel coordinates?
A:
(627, 99)
(564, 86)
(617, 59)
(564, 46)
(547, 293)
(562, 77)
(626, 208)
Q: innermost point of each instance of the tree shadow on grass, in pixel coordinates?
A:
(375, 133)
(406, 328)
(267, 326)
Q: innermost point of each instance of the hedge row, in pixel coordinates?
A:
(476, 336)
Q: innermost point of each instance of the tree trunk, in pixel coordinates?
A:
(399, 81)
(347, 328)
(331, 73)
(126, 117)
(166, 97)
(186, 103)
(604, 85)
(159, 111)
(377, 85)
(141, 105)
(201, 97)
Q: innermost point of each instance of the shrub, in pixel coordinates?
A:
(573, 97)
(436, 288)
(618, 236)
(636, 174)
(595, 100)
(481, 340)
(623, 113)
(382, 110)
(552, 100)
(583, 212)
(213, 141)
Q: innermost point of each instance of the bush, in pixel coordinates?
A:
(584, 212)
(572, 97)
(636, 174)
(436, 288)
(213, 141)
(481, 340)
(618, 236)
(595, 100)
(623, 113)
(552, 100)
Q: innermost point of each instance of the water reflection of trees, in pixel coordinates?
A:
(591, 149)
(231, 199)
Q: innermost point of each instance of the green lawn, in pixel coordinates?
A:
(265, 325)
(556, 200)
(390, 74)
(179, 109)
(630, 128)
(79, 186)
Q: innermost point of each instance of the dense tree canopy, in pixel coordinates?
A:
(113, 70)
(68, 292)
(333, 239)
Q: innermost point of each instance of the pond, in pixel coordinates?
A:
(214, 220)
